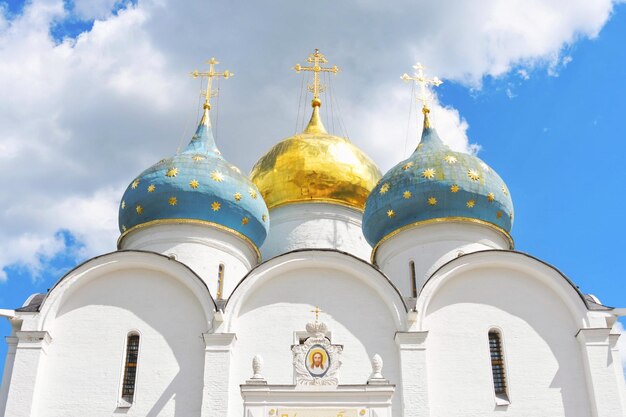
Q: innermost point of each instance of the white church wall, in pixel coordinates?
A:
(200, 247)
(315, 226)
(88, 316)
(431, 245)
(361, 309)
(543, 359)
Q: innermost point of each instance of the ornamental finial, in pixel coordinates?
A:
(209, 93)
(316, 58)
(420, 78)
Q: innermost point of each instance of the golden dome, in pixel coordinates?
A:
(314, 166)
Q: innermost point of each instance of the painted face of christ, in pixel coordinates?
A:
(317, 361)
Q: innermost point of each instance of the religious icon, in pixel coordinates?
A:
(317, 361)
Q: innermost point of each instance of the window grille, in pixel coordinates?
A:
(497, 363)
(130, 368)
(220, 281)
(413, 282)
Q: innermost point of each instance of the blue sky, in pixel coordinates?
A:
(550, 121)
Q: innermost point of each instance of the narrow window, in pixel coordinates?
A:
(413, 282)
(130, 368)
(497, 364)
(220, 281)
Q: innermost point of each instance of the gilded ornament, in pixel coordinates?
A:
(264, 217)
(237, 196)
(123, 228)
(209, 75)
(504, 190)
(471, 203)
(134, 184)
(432, 201)
(316, 58)
(245, 221)
(151, 188)
(252, 193)
(407, 165)
(391, 213)
(194, 184)
(123, 204)
(216, 206)
(172, 172)
(454, 188)
(384, 188)
(172, 201)
(428, 173)
(499, 214)
(420, 79)
(473, 174)
(198, 158)
(491, 197)
(406, 194)
(139, 209)
(217, 176)
(451, 159)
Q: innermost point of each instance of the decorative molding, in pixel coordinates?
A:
(33, 339)
(598, 336)
(219, 342)
(316, 361)
(411, 340)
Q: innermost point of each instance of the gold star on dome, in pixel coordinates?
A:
(432, 201)
(471, 203)
(151, 188)
(237, 196)
(123, 228)
(216, 206)
(511, 216)
(504, 190)
(450, 159)
(406, 194)
(264, 217)
(407, 165)
(198, 158)
(173, 201)
(172, 172)
(491, 197)
(252, 193)
(499, 214)
(384, 188)
(245, 221)
(134, 184)
(391, 213)
(454, 188)
(139, 209)
(194, 184)
(428, 173)
(217, 176)
(485, 166)
(123, 204)
(473, 174)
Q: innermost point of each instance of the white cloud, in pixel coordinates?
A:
(79, 119)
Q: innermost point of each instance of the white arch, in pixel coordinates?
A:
(117, 261)
(517, 261)
(318, 258)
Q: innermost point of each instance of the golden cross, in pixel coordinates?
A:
(210, 74)
(423, 82)
(316, 59)
(317, 312)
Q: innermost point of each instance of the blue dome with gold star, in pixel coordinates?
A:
(196, 186)
(436, 184)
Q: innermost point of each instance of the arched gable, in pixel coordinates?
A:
(319, 258)
(531, 266)
(118, 261)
